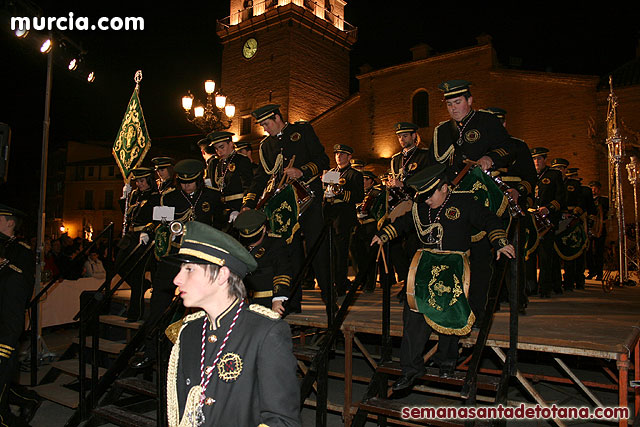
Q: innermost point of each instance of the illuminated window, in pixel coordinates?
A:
(420, 106)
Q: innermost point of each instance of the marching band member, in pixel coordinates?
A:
(284, 142)
(436, 301)
(231, 364)
(598, 232)
(232, 173)
(165, 172)
(269, 285)
(340, 207)
(138, 232)
(549, 201)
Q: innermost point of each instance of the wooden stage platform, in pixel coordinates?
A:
(588, 323)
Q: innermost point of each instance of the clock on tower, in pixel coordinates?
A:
(289, 52)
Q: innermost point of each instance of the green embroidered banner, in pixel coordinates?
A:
(282, 211)
(435, 288)
(571, 241)
(132, 142)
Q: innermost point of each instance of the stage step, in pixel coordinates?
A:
(71, 366)
(303, 353)
(138, 386)
(105, 345)
(393, 409)
(110, 319)
(122, 417)
(484, 382)
(58, 393)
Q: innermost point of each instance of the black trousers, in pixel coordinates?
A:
(549, 265)
(595, 254)
(311, 226)
(415, 336)
(161, 296)
(136, 279)
(481, 260)
(360, 247)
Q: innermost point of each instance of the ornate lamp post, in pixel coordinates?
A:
(633, 167)
(214, 115)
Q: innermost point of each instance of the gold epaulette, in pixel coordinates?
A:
(264, 311)
(173, 330)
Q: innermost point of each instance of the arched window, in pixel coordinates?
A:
(420, 108)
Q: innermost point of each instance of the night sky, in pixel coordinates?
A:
(179, 49)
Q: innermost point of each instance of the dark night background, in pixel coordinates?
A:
(179, 49)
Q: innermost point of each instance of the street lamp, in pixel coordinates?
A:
(214, 115)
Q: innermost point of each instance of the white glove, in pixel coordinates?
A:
(144, 238)
(126, 190)
(232, 216)
(328, 193)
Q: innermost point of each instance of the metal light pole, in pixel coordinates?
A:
(632, 170)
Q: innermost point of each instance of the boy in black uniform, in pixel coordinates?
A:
(244, 148)
(269, 285)
(139, 230)
(597, 231)
(231, 174)
(17, 273)
(193, 201)
(443, 222)
(549, 202)
(340, 207)
(285, 141)
(404, 164)
(366, 227)
(470, 135)
(231, 364)
(208, 155)
(164, 170)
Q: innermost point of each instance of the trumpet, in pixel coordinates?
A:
(176, 228)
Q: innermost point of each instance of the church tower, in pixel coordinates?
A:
(289, 52)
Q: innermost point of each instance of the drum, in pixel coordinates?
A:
(484, 189)
(304, 195)
(437, 287)
(571, 238)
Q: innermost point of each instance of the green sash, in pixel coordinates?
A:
(437, 287)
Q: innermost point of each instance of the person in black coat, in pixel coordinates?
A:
(231, 364)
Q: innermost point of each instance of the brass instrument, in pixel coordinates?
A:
(176, 228)
(542, 222)
(514, 207)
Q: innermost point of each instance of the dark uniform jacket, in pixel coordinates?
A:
(204, 205)
(16, 288)
(478, 134)
(254, 381)
(165, 185)
(272, 278)
(406, 164)
(232, 177)
(460, 214)
(140, 210)
(342, 206)
(364, 209)
(550, 193)
(520, 172)
(298, 139)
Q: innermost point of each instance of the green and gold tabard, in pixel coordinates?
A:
(437, 287)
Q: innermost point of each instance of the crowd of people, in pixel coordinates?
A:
(231, 235)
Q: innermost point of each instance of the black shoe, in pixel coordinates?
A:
(28, 400)
(141, 362)
(405, 381)
(446, 370)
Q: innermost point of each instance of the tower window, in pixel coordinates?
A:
(420, 105)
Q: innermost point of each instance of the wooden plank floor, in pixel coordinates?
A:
(584, 322)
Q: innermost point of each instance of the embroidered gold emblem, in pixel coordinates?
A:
(206, 207)
(342, 181)
(472, 135)
(413, 166)
(295, 137)
(260, 252)
(570, 188)
(231, 167)
(452, 213)
(546, 181)
(229, 367)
